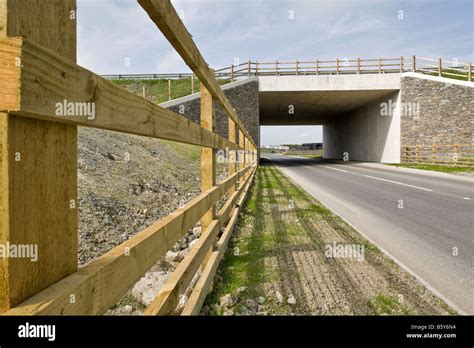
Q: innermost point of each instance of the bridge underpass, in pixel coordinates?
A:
(348, 108)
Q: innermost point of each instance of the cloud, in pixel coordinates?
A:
(171, 62)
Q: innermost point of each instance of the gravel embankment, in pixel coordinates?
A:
(126, 183)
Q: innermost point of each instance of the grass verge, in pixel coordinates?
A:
(305, 153)
(434, 167)
(277, 262)
(157, 90)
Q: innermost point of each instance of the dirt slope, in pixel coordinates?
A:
(127, 182)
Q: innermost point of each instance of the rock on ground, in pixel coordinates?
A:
(146, 289)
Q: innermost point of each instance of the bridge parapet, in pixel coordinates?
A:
(345, 66)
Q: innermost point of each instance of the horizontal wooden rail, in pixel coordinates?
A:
(167, 299)
(199, 293)
(99, 285)
(48, 77)
(167, 20)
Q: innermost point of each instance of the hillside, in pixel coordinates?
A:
(157, 90)
(125, 183)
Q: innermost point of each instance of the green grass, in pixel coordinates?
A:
(157, 90)
(434, 167)
(305, 153)
(447, 72)
(243, 264)
(191, 151)
(312, 156)
(383, 304)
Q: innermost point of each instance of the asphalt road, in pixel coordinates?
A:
(424, 220)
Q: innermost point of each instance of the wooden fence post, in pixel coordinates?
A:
(317, 66)
(249, 67)
(38, 165)
(380, 65)
(208, 172)
(337, 66)
(232, 159)
(256, 68)
(401, 64)
(358, 65)
(232, 73)
(297, 67)
(252, 154)
(169, 89)
(440, 67)
(246, 146)
(414, 63)
(144, 92)
(192, 83)
(208, 161)
(241, 159)
(276, 68)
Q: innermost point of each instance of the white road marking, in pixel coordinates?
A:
(466, 198)
(376, 178)
(339, 170)
(398, 183)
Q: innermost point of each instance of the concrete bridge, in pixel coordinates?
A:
(367, 114)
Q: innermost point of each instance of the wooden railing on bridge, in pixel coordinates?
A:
(434, 67)
(438, 67)
(38, 168)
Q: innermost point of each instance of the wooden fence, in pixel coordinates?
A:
(451, 154)
(435, 67)
(438, 67)
(38, 168)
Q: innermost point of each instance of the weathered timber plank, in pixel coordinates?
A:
(46, 80)
(38, 183)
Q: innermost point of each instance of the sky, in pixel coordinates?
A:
(117, 36)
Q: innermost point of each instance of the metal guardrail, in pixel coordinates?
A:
(170, 76)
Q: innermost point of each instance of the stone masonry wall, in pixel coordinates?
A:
(242, 95)
(446, 112)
